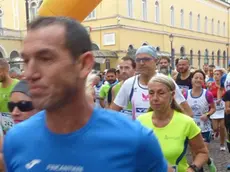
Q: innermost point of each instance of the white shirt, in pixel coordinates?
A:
(140, 98)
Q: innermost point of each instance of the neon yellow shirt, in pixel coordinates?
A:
(5, 95)
(173, 137)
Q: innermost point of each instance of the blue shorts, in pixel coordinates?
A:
(207, 136)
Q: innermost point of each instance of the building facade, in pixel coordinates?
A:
(198, 29)
(13, 22)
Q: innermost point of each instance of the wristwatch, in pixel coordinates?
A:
(194, 167)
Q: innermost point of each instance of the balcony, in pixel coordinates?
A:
(12, 34)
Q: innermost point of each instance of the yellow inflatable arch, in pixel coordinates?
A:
(77, 9)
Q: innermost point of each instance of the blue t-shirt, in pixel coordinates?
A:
(109, 142)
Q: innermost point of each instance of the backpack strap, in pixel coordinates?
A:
(132, 90)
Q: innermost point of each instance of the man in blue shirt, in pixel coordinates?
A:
(68, 135)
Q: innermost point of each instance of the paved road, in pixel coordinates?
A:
(222, 159)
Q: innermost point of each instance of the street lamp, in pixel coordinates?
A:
(227, 46)
(172, 53)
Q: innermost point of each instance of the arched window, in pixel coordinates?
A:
(145, 43)
(206, 24)
(14, 54)
(224, 29)
(33, 10)
(1, 18)
(172, 16)
(224, 59)
(190, 20)
(199, 58)
(182, 51)
(213, 58)
(218, 58)
(157, 12)
(206, 60)
(212, 26)
(198, 23)
(182, 18)
(130, 8)
(144, 9)
(218, 27)
(191, 57)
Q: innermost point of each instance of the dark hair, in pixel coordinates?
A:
(199, 71)
(111, 70)
(77, 40)
(127, 58)
(165, 58)
(176, 61)
(212, 66)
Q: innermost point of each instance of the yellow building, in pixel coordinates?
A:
(13, 21)
(200, 29)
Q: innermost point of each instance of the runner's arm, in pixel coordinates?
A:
(186, 108)
(180, 99)
(211, 103)
(199, 149)
(122, 99)
(102, 97)
(113, 95)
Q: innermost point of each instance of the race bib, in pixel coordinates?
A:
(199, 122)
(7, 122)
(175, 168)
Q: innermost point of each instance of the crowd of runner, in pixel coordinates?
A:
(161, 112)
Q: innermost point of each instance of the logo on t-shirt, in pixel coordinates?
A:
(32, 163)
(145, 98)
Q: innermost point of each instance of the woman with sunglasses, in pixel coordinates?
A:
(20, 104)
(174, 130)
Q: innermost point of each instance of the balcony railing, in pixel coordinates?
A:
(10, 33)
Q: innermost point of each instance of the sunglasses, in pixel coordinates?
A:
(23, 106)
(143, 60)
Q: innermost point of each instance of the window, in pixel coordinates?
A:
(130, 8)
(206, 58)
(172, 16)
(16, 13)
(218, 57)
(191, 57)
(1, 18)
(224, 29)
(92, 15)
(157, 12)
(144, 9)
(218, 27)
(198, 23)
(213, 58)
(182, 18)
(199, 58)
(212, 26)
(33, 11)
(206, 24)
(190, 20)
(182, 51)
